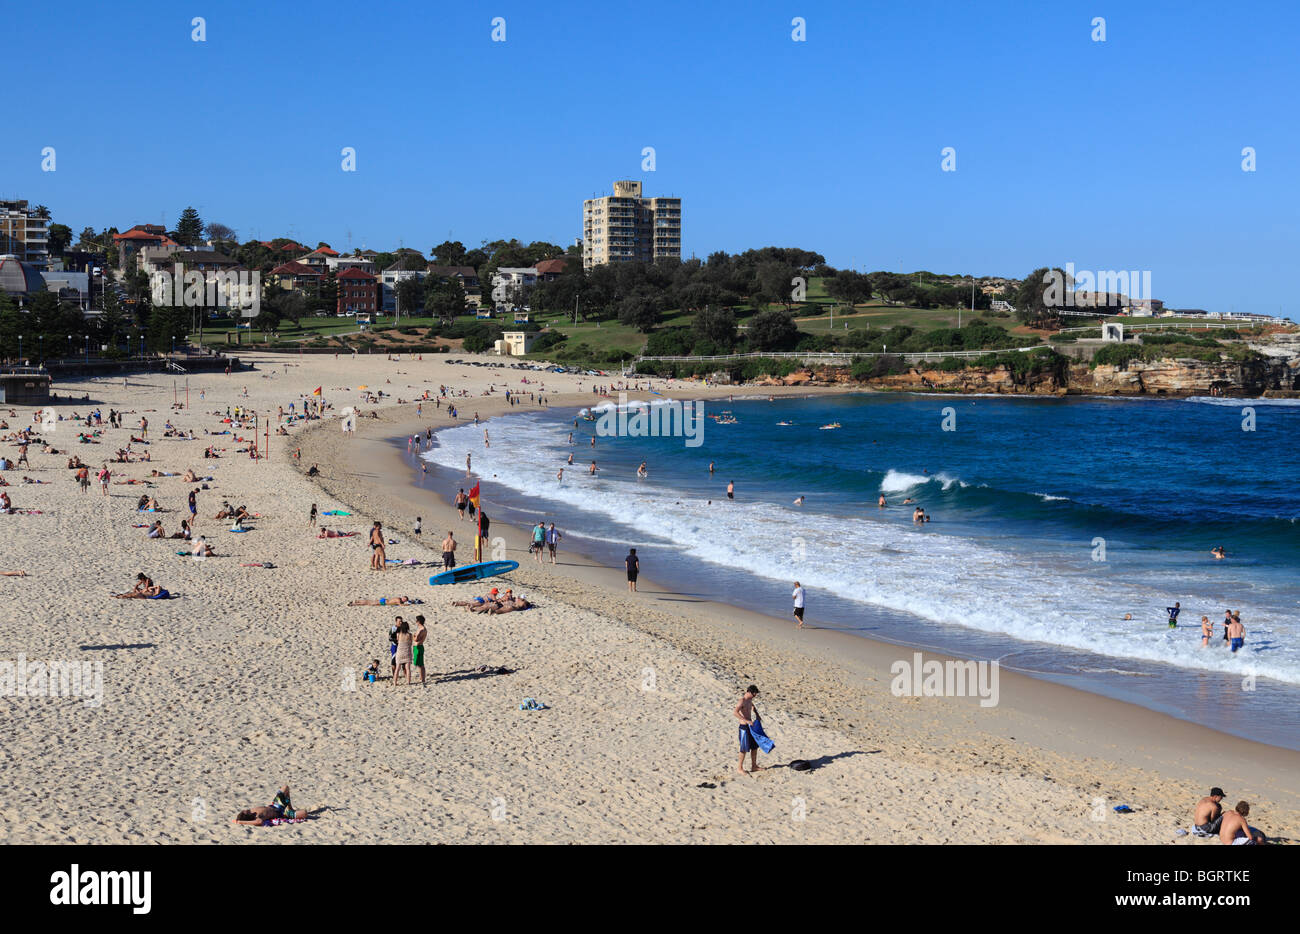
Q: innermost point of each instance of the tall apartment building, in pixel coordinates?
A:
(626, 228)
(23, 234)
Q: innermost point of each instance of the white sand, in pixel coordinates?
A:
(250, 679)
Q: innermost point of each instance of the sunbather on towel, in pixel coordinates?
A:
(385, 601)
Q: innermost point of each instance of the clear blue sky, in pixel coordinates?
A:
(1117, 155)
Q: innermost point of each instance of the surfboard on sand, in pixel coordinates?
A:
(473, 572)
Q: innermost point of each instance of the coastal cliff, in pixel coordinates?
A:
(1275, 374)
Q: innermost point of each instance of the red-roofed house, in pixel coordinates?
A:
(296, 277)
(549, 269)
(130, 242)
(358, 292)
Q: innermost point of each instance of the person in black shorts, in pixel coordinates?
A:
(633, 569)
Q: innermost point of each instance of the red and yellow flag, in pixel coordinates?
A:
(316, 391)
(473, 496)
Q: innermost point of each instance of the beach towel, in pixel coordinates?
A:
(756, 730)
(277, 821)
(335, 512)
(532, 704)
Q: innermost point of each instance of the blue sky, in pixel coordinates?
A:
(1117, 155)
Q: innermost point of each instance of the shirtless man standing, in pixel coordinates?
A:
(1209, 813)
(449, 551)
(745, 714)
(417, 650)
(1207, 630)
(1236, 633)
(1234, 831)
(378, 558)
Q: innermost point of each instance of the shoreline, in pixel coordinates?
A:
(1040, 706)
(248, 679)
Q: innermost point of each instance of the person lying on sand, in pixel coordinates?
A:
(262, 816)
(13, 573)
(334, 533)
(144, 589)
(385, 601)
(509, 606)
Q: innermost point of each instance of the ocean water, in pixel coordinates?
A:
(1051, 519)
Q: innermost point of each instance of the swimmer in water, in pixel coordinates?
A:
(1207, 630)
(560, 476)
(881, 502)
(570, 458)
(592, 469)
(1218, 552)
(799, 501)
(641, 471)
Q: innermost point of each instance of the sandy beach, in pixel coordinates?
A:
(251, 677)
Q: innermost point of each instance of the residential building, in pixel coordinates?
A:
(465, 275)
(296, 277)
(627, 227)
(358, 292)
(407, 266)
(24, 234)
(142, 236)
(549, 270)
(354, 261)
(507, 281)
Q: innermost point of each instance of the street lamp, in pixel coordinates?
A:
(20, 349)
(87, 348)
(41, 338)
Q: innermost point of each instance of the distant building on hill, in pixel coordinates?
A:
(627, 228)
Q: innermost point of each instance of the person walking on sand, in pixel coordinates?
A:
(798, 603)
(746, 714)
(449, 551)
(417, 648)
(378, 559)
(539, 541)
(461, 502)
(104, 476)
(311, 518)
(553, 537)
(633, 569)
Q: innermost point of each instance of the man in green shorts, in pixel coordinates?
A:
(417, 650)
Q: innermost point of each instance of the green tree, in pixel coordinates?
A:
(849, 286)
(641, 312)
(1041, 296)
(60, 236)
(410, 295)
(717, 325)
(449, 253)
(189, 229)
(445, 299)
(773, 330)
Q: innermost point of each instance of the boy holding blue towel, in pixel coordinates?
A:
(748, 717)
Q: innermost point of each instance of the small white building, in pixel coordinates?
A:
(516, 343)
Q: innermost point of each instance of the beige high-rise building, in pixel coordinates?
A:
(627, 228)
(24, 234)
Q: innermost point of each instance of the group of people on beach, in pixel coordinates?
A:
(1234, 632)
(1209, 818)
